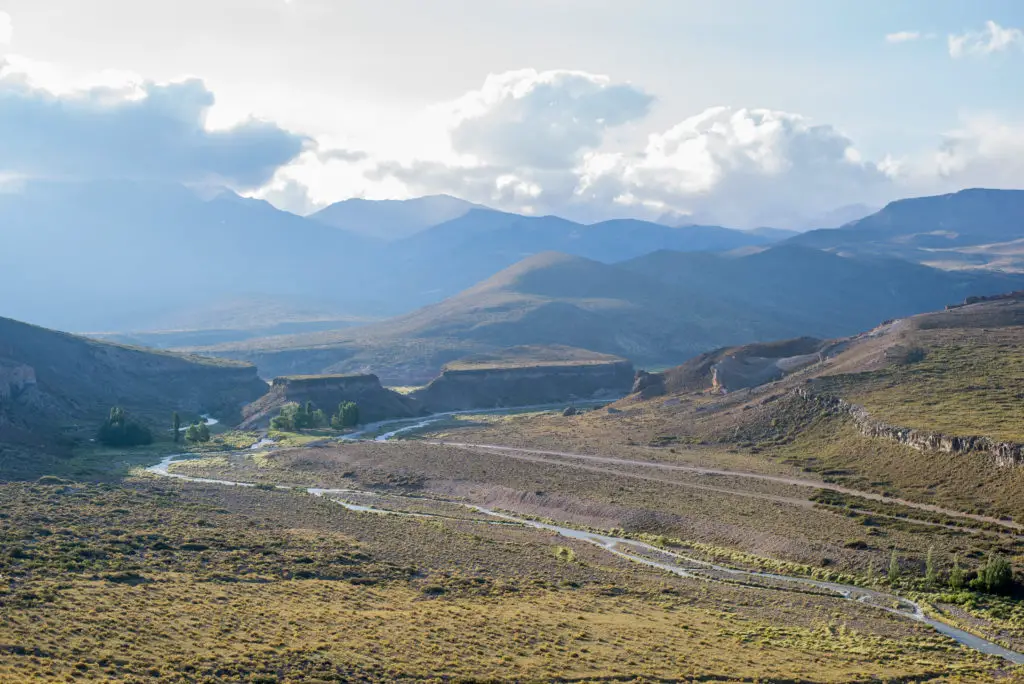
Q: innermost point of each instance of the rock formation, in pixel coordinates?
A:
(326, 392)
(460, 389)
(1004, 454)
(52, 382)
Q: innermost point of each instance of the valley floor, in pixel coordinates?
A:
(147, 578)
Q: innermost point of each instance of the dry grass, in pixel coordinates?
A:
(112, 584)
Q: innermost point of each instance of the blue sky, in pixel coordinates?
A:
(402, 97)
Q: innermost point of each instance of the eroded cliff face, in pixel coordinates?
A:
(460, 390)
(52, 381)
(15, 378)
(1003, 454)
(326, 392)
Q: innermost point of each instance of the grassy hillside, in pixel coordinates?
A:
(548, 299)
(955, 373)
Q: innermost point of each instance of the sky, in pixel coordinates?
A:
(738, 112)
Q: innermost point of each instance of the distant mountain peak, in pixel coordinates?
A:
(393, 219)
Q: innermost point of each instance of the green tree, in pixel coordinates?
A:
(347, 415)
(931, 573)
(995, 577)
(176, 419)
(894, 567)
(118, 431)
(957, 576)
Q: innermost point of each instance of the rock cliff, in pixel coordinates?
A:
(326, 392)
(52, 382)
(733, 368)
(1004, 454)
(494, 386)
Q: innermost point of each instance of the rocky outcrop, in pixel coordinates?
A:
(977, 299)
(326, 392)
(15, 378)
(734, 368)
(521, 385)
(1004, 454)
(648, 384)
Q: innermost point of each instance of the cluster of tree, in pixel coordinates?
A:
(117, 430)
(198, 432)
(294, 417)
(995, 577)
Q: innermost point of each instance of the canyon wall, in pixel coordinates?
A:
(497, 387)
(326, 392)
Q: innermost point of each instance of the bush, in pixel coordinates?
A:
(118, 431)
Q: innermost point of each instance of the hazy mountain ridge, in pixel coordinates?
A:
(75, 246)
(655, 310)
(392, 219)
(975, 228)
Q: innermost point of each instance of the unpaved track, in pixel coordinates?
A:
(519, 452)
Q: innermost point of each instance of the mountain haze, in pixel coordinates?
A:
(976, 228)
(392, 219)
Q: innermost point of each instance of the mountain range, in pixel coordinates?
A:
(975, 228)
(656, 310)
(379, 287)
(125, 256)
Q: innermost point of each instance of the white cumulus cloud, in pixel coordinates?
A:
(993, 38)
(541, 119)
(515, 142)
(744, 167)
(903, 37)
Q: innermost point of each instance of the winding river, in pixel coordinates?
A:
(631, 549)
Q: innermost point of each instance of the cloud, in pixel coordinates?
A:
(145, 131)
(516, 142)
(6, 28)
(743, 166)
(993, 38)
(541, 120)
(536, 142)
(341, 155)
(983, 152)
(903, 37)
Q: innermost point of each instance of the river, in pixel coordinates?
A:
(640, 552)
